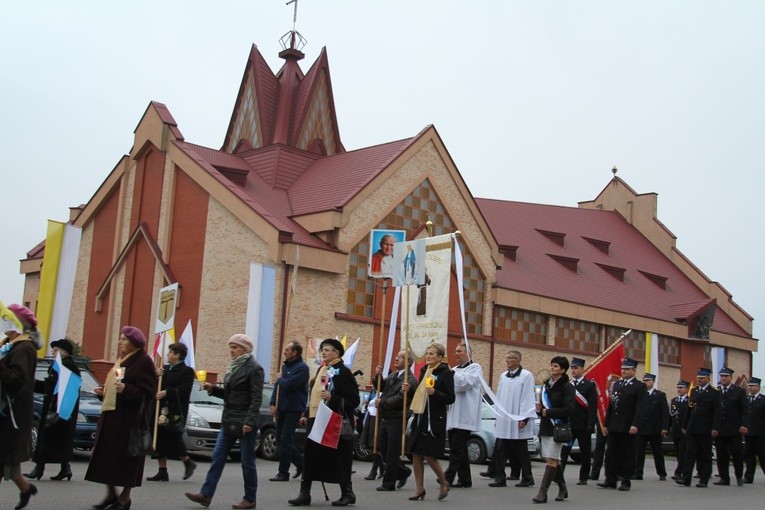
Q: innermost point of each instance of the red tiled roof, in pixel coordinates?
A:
(538, 269)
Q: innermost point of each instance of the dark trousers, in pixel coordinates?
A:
(698, 450)
(459, 465)
(755, 449)
(584, 438)
(597, 455)
(285, 437)
(517, 450)
(620, 457)
(729, 447)
(390, 447)
(658, 454)
(679, 454)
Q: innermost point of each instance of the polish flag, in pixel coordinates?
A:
(326, 427)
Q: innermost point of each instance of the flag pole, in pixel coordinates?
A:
(379, 360)
(158, 362)
(406, 375)
(607, 351)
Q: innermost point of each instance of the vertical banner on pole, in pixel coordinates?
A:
(260, 312)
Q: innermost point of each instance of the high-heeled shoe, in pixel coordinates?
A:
(25, 496)
(443, 493)
(421, 495)
(119, 506)
(66, 472)
(109, 501)
(36, 472)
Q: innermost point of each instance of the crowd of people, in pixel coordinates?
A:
(407, 415)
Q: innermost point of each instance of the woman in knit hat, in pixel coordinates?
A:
(127, 403)
(17, 379)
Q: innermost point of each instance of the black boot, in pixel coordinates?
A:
(161, 476)
(547, 479)
(372, 472)
(66, 472)
(304, 497)
(37, 472)
(347, 497)
(189, 467)
(24, 496)
(562, 489)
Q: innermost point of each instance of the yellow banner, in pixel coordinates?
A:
(48, 278)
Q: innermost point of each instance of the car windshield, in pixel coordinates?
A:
(486, 412)
(200, 396)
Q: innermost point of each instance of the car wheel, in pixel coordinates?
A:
(267, 448)
(35, 433)
(476, 451)
(576, 458)
(360, 450)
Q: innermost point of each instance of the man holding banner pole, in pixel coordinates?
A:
(583, 418)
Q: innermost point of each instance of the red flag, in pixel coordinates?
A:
(606, 366)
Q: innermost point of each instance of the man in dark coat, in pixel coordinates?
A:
(624, 415)
(729, 443)
(677, 410)
(701, 425)
(583, 419)
(654, 428)
(288, 403)
(755, 424)
(390, 406)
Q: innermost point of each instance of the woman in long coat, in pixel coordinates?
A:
(18, 361)
(427, 438)
(556, 407)
(127, 404)
(55, 441)
(336, 386)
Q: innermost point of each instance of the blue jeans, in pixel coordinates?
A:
(222, 448)
(285, 435)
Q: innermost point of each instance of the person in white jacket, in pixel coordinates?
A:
(464, 416)
(515, 396)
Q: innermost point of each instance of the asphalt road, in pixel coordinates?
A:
(649, 493)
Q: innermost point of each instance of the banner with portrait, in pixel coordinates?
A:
(424, 269)
(380, 259)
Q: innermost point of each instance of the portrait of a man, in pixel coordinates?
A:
(381, 252)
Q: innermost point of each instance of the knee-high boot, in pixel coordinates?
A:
(304, 497)
(547, 479)
(562, 489)
(347, 497)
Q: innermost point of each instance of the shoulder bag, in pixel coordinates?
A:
(562, 433)
(139, 437)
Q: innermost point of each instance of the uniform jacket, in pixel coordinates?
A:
(734, 408)
(465, 412)
(17, 382)
(242, 394)
(656, 416)
(704, 413)
(581, 418)
(391, 398)
(562, 403)
(627, 406)
(755, 418)
(677, 410)
(293, 387)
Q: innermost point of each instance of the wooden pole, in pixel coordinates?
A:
(157, 364)
(406, 374)
(379, 360)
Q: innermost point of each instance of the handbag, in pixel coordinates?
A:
(346, 428)
(232, 427)
(562, 433)
(173, 422)
(52, 419)
(139, 437)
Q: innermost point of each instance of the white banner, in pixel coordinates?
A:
(426, 306)
(67, 269)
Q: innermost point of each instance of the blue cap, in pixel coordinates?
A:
(683, 384)
(725, 371)
(704, 371)
(649, 377)
(578, 362)
(754, 381)
(629, 363)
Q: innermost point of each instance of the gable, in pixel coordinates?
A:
(318, 122)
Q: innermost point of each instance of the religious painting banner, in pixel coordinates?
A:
(426, 304)
(380, 259)
(167, 299)
(409, 263)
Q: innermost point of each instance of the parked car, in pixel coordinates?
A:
(204, 418)
(90, 405)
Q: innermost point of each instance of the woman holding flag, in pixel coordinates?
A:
(556, 405)
(335, 387)
(55, 439)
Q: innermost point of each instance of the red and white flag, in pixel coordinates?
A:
(326, 427)
(601, 371)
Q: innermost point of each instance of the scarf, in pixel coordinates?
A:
(420, 397)
(315, 399)
(110, 391)
(235, 364)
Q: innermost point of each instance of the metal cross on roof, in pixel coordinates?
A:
(294, 15)
(293, 39)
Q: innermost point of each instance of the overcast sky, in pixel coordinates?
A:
(535, 100)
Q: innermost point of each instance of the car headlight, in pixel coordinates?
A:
(195, 420)
(81, 418)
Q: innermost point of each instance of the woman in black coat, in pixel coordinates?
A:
(127, 404)
(177, 382)
(55, 441)
(335, 385)
(427, 437)
(556, 407)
